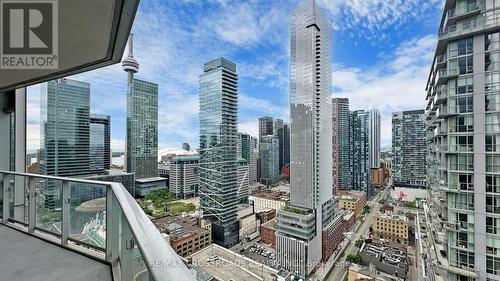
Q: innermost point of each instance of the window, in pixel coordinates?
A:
(492, 102)
(492, 81)
(461, 143)
(493, 143)
(492, 40)
(461, 104)
(492, 265)
(493, 163)
(461, 162)
(492, 61)
(493, 183)
(462, 124)
(492, 123)
(460, 48)
(493, 204)
(464, 85)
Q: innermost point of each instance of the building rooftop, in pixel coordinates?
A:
(178, 227)
(273, 195)
(391, 217)
(386, 253)
(147, 180)
(271, 224)
(185, 158)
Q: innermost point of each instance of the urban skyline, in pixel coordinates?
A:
(263, 93)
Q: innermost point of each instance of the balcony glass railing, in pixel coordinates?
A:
(472, 7)
(97, 218)
(467, 27)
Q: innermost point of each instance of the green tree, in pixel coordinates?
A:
(353, 259)
(359, 243)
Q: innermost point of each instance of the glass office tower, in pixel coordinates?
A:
(463, 115)
(298, 237)
(218, 149)
(64, 133)
(100, 143)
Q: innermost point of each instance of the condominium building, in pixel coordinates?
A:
(463, 115)
(409, 146)
(218, 164)
(282, 132)
(298, 233)
(252, 162)
(100, 142)
(184, 178)
(391, 227)
(364, 134)
(269, 159)
(266, 126)
(341, 143)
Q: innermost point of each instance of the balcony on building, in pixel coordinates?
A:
(441, 95)
(107, 237)
(443, 75)
(454, 15)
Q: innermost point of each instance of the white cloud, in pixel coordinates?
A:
(397, 84)
(249, 127)
(375, 16)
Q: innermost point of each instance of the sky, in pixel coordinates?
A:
(382, 53)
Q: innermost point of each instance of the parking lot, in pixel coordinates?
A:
(261, 253)
(227, 265)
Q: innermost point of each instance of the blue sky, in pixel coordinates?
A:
(382, 51)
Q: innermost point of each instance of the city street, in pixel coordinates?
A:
(340, 269)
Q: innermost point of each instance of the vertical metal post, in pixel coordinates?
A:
(66, 200)
(112, 226)
(127, 247)
(31, 204)
(19, 193)
(6, 199)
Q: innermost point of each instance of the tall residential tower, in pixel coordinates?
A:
(218, 164)
(463, 115)
(298, 234)
(340, 140)
(409, 149)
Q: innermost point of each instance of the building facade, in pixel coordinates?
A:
(100, 143)
(391, 227)
(184, 178)
(269, 159)
(243, 180)
(409, 147)
(364, 134)
(218, 149)
(142, 122)
(299, 228)
(464, 135)
(341, 142)
(266, 126)
(353, 201)
(64, 134)
(264, 201)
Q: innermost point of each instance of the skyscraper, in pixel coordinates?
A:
(252, 163)
(359, 133)
(364, 134)
(218, 149)
(464, 134)
(341, 144)
(409, 147)
(299, 228)
(64, 133)
(100, 143)
(142, 128)
(266, 126)
(269, 159)
(286, 144)
(278, 132)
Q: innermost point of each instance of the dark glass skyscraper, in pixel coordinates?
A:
(100, 143)
(64, 133)
(341, 144)
(266, 126)
(218, 149)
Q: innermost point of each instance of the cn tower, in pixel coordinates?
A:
(130, 64)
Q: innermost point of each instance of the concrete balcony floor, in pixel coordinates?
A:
(25, 258)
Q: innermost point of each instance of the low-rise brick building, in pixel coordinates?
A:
(268, 233)
(391, 227)
(186, 235)
(266, 216)
(333, 233)
(353, 201)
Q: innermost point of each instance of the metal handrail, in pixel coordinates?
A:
(160, 259)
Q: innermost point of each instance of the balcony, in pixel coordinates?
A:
(443, 75)
(107, 238)
(454, 15)
(480, 24)
(440, 62)
(443, 112)
(441, 95)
